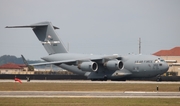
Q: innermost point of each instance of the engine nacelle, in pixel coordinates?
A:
(88, 66)
(114, 65)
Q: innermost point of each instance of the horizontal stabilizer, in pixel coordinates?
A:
(31, 26)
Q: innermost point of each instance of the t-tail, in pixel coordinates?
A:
(45, 32)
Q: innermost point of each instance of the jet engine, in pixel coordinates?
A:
(114, 65)
(88, 66)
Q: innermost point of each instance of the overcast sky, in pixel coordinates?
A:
(91, 26)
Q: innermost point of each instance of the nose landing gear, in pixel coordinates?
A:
(158, 79)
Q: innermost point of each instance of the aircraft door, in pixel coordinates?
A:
(156, 65)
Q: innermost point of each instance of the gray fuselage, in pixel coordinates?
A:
(135, 66)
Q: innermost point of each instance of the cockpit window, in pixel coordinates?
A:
(162, 60)
(159, 60)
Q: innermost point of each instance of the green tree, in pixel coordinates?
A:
(30, 68)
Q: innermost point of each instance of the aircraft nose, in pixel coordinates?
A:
(166, 67)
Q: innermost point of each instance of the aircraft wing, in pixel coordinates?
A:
(75, 61)
(55, 62)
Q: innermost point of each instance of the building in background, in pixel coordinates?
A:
(12, 68)
(172, 57)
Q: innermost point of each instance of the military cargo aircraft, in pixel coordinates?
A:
(95, 67)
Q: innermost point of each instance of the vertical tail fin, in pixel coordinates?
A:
(24, 60)
(45, 32)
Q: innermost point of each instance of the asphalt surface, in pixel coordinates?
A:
(88, 81)
(90, 94)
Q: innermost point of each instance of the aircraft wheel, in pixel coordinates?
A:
(105, 80)
(98, 79)
(158, 79)
(118, 79)
(93, 80)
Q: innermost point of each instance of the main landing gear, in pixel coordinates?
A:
(100, 79)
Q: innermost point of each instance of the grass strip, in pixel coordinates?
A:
(10, 86)
(89, 102)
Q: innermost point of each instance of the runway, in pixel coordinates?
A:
(88, 81)
(89, 94)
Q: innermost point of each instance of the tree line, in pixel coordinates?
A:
(13, 59)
